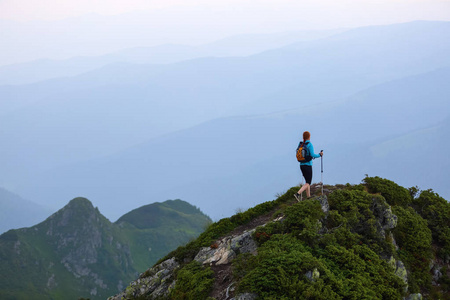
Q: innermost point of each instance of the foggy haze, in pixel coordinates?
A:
(97, 97)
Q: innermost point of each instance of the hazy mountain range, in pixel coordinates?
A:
(213, 160)
(242, 45)
(203, 129)
(17, 212)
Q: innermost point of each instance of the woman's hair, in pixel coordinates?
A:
(306, 136)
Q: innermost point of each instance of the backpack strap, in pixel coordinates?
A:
(301, 144)
(308, 153)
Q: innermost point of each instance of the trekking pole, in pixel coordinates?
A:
(321, 169)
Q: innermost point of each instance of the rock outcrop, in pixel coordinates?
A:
(400, 270)
(324, 203)
(154, 283)
(385, 218)
(313, 275)
(157, 282)
(415, 297)
(225, 250)
(245, 296)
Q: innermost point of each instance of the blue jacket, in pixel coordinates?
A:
(311, 152)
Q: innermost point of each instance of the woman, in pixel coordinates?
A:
(306, 167)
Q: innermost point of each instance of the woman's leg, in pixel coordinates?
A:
(303, 188)
(307, 173)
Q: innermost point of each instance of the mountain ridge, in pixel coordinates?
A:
(13, 74)
(374, 240)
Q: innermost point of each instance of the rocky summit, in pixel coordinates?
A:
(375, 240)
(78, 253)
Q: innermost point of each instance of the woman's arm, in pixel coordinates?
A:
(311, 150)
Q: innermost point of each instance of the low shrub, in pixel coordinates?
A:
(279, 272)
(361, 212)
(414, 239)
(436, 211)
(193, 282)
(392, 192)
(287, 268)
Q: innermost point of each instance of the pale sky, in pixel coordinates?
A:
(390, 11)
(60, 29)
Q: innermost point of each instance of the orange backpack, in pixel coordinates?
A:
(303, 154)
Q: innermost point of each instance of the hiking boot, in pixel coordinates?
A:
(298, 197)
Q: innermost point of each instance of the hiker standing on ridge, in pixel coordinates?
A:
(305, 155)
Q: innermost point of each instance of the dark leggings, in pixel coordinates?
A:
(307, 173)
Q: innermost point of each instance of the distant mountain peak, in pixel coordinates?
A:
(176, 212)
(79, 203)
(80, 200)
(78, 212)
(78, 252)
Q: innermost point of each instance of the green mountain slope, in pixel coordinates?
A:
(153, 230)
(77, 252)
(375, 240)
